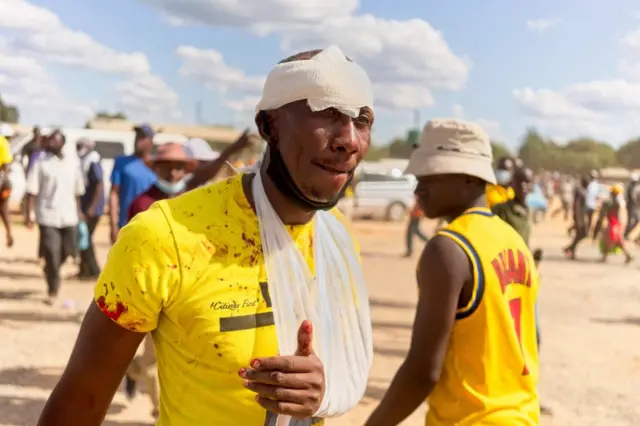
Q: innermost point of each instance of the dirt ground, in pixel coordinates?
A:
(590, 316)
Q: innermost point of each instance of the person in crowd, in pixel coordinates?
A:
(633, 204)
(130, 177)
(92, 204)
(210, 165)
(473, 351)
(54, 187)
(194, 271)
(580, 217)
(592, 197)
(171, 165)
(611, 237)
(501, 191)
(33, 149)
(413, 228)
(6, 159)
(516, 213)
(566, 198)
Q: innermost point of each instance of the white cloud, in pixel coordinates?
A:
(36, 32)
(492, 127)
(246, 105)
(149, 96)
(404, 59)
(602, 109)
(208, 66)
(542, 24)
(252, 13)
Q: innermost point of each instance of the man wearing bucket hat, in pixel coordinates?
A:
(221, 276)
(473, 353)
(171, 164)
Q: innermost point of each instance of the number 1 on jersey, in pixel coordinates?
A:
(515, 306)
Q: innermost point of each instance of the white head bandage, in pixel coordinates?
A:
(333, 296)
(328, 80)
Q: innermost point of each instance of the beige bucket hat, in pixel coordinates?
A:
(452, 146)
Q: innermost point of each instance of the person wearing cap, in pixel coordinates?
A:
(611, 236)
(171, 165)
(211, 162)
(6, 158)
(473, 354)
(632, 194)
(130, 177)
(194, 272)
(91, 203)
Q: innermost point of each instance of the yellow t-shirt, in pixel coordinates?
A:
(490, 372)
(498, 194)
(5, 152)
(190, 271)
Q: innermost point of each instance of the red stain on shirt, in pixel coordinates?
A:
(113, 312)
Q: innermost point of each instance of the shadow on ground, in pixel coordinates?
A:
(26, 411)
(39, 317)
(391, 325)
(381, 303)
(41, 378)
(617, 321)
(16, 295)
(17, 275)
(25, 260)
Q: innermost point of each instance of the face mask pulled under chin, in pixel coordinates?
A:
(279, 174)
(171, 188)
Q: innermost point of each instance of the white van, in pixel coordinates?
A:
(109, 144)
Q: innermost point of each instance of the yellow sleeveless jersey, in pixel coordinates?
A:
(490, 371)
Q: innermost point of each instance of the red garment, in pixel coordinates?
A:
(614, 229)
(144, 201)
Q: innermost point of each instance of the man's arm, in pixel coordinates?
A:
(32, 189)
(443, 271)
(128, 298)
(97, 364)
(208, 171)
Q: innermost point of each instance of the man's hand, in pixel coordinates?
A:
(9, 239)
(289, 385)
(28, 223)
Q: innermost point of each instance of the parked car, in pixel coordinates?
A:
(383, 196)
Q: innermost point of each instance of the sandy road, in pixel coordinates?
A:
(590, 318)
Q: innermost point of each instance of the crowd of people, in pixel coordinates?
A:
(297, 346)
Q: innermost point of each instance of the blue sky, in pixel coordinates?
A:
(570, 68)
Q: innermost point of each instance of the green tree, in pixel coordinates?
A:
(628, 154)
(533, 150)
(105, 115)
(8, 113)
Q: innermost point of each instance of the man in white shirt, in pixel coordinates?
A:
(591, 199)
(54, 185)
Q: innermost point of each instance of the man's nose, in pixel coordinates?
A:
(346, 136)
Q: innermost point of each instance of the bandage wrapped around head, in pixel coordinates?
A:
(327, 80)
(333, 296)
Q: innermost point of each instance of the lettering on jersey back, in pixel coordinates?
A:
(511, 267)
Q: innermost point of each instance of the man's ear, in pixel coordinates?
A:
(266, 128)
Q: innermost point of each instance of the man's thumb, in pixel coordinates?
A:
(305, 337)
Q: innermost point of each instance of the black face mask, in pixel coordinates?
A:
(281, 178)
